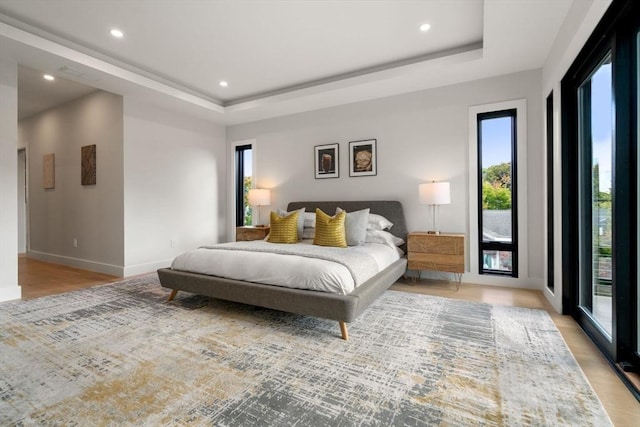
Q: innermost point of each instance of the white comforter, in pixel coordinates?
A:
(304, 271)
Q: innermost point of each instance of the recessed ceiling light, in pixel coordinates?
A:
(116, 33)
(223, 83)
(425, 27)
(48, 77)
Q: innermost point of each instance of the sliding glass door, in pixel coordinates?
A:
(600, 188)
(637, 281)
(595, 151)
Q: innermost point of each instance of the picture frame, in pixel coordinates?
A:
(363, 158)
(88, 165)
(326, 161)
(49, 171)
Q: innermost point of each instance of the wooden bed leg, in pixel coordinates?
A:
(173, 295)
(343, 329)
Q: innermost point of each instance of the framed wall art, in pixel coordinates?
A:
(49, 171)
(88, 165)
(362, 158)
(326, 160)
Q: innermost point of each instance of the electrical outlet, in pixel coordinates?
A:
(172, 243)
(75, 242)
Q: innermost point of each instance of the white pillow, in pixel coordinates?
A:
(309, 233)
(397, 240)
(309, 219)
(378, 222)
(300, 211)
(384, 237)
(355, 226)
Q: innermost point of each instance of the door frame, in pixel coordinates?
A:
(25, 190)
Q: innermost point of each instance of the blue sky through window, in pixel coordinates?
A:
(601, 123)
(248, 168)
(496, 141)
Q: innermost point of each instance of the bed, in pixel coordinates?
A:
(343, 308)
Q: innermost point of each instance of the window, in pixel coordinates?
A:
(497, 195)
(596, 188)
(600, 187)
(550, 206)
(243, 161)
(637, 274)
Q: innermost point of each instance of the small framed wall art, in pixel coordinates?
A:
(49, 171)
(326, 160)
(363, 158)
(88, 166)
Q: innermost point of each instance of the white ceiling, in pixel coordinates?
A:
(279, 57)
(37, 94)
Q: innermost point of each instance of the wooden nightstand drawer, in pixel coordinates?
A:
(436, 243)
(438, 262)
(439, 252)
(251, 233)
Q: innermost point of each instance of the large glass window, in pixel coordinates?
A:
(600, 208)
(637, 103)
(497, 193)
(595, 113)
(550, 205)
(244, 212)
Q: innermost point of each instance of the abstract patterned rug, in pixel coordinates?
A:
(118, 355)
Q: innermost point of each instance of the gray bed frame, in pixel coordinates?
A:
(343, 308)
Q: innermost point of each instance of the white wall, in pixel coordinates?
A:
(9, 288)
(161, 186)
(421, 136)
(174, 185)
(578, 26)
(91, 214)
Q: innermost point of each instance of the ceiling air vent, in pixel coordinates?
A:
(71, 71)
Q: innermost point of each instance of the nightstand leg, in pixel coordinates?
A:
(413, 278)
(458, 280)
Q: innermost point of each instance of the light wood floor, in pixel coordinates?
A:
(39, 279)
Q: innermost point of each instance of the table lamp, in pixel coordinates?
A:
(259, 197)
(434, 194)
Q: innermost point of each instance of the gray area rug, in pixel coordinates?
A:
(118, 355)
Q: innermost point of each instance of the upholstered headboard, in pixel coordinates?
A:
(390, 209)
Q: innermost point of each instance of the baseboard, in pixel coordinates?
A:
(133, 270)
(483, 279)
(8, 293)
(98, 267)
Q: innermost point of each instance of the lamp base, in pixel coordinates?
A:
(433, 232)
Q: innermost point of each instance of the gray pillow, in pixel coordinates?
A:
(355, 226)
(300, 211)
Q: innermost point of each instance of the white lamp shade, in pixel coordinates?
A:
(435, 193)
(259, 197)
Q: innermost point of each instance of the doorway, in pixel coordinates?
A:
(23, 237)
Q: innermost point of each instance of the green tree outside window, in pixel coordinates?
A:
(248, 210)
(496, 187)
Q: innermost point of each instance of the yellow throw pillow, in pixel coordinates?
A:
(330, 230)
(284, 229)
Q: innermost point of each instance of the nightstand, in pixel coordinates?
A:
(251, 233)
(439, 252)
